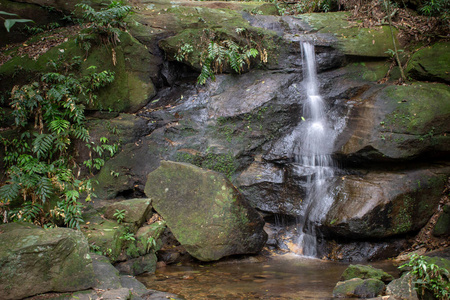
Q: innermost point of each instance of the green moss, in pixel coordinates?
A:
(352, 40)
(417, 108)
(222, 163)
(431, 63)
(368, 71)
(402, 219)
(365, 272)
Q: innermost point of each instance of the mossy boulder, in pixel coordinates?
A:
(365, 272)
(351, 39)
(442, 226)
(384, 204)
(104, 236)
(431, 63)
(35, 260)
(359, 288)
(398, 123)
(204, 211)
(135, 211)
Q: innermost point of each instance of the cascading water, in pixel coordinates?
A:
(313, 155)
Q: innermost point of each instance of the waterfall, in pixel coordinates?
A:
(313, 155)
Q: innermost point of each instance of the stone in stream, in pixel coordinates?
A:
(365, 272)
(359, 288)
(204, 211)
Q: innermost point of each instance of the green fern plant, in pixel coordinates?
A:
(49, 118)
(105, 25)
(221, 53)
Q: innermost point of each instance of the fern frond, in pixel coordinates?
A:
(42, 144)
(44, 188)
(9, 192)
(59, 125)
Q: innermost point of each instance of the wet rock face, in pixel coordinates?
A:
(383, 204)
(206, 214)
(35, 261)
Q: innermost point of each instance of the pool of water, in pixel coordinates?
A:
(281, 277)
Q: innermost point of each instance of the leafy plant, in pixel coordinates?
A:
(105, 25)
(435, 8)
(119, 215)
(429, 277)
(49, 118)
(150, 243)
(220, 53)
(10, 22)
(184, 51)
(128, 236)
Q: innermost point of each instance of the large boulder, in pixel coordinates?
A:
(431, 63)
(205, 212)
(383, 204)
(35, 260)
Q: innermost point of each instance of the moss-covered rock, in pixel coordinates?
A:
(442, 226)
(35, 261)
(431, 63)
(135, 211)
(204, 211)
(365, 272)
(359, 288)
(398, 122)
(352, 40)
(104, 236)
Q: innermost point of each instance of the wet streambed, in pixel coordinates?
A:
(284, 277)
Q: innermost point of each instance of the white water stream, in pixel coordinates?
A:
(315, 145)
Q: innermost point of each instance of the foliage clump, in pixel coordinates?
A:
(48, 120)
(104, 25)
(429, 277)
(44, 181)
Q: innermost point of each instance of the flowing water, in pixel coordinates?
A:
(313, 154)
(279, 278)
